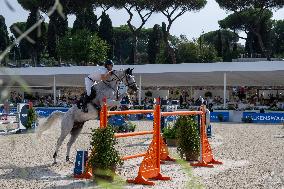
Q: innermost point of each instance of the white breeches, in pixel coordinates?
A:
(88, 85)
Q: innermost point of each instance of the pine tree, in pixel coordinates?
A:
(23, 45)
(57, 28)
(4, 38)
(106, 32)
(86, 19)
(154, 44)
(37, 35)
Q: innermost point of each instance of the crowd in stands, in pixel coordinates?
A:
(237, 101)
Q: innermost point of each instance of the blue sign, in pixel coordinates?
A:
(45, 112)
(216, 116)
(116, 120)
(265, 117)
(11, 110)
(149, 116)
(24, 114)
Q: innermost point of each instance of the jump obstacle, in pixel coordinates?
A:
(157, 151)
(21, 118)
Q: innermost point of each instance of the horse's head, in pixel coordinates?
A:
(129, 80)
(127, 77)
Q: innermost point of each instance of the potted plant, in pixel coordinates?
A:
(187, 137)
(148, 94)
(220, 117)
(208, 94)
(31, 118)
(247, 119)
(169, 133)
(104, 157)
(131, 126)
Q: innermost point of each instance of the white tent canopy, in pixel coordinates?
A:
(264, 73)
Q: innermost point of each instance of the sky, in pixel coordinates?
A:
(191, 24)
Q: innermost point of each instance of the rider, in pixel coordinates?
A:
(101, 75)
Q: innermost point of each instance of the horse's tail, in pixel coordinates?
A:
(51, 120)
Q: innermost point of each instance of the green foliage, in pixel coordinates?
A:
(38, 36)
(82, 46)
(254, 17)
(85, 19)
(188, 136)
(57, 29)
(23, 45)
(192, 52)
(233, 5)
(208, 94)
(220, 117)
(4, 38)
(106, 33)
(31, 118)
(278, 38)
(247, 119)
(224, 41)
(154, 44)
(148, 94)
(170, 132)
(127, 127)
(104, 158)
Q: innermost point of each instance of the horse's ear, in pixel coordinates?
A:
(130, 71)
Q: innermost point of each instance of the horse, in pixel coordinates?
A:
(73, 120)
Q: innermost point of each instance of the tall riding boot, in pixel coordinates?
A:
(86, 100)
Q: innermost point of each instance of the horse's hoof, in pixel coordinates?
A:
(70, 162)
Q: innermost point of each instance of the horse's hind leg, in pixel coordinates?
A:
(66, 127)
(59, 143)
(74, 135)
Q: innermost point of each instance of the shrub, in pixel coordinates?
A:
(170, 132)
(188, 137)
(104, 158)
(31, 118)
(220, 117)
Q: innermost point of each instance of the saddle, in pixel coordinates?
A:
(85, 99)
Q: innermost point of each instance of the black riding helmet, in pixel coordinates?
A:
(108, 62)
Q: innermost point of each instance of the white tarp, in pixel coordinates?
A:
(264, 73)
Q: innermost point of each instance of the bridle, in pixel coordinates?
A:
(121, 79)
(118, 79)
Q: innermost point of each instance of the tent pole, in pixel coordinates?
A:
(225, 88)
(140, 88)
(54, 90)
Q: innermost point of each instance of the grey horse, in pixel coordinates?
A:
(73, 120)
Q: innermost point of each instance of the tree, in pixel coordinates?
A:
(251, 14)
(141, 8)
(122, 43)
(154, 44)
(83, 47)
(86, 19)
(223, 41)
(173, 9)
(123, 49)
(57, 28)
(106, 32)
(249, 22)
(194, 52)
(278, 38)
(4, 38)
(16, 29)
(37, 38)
